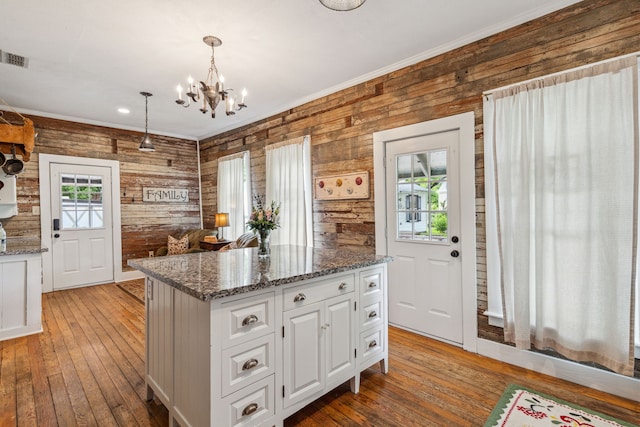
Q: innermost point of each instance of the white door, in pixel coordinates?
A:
(423, 234)
(82, 244)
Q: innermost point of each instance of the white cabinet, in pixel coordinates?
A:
(318, 337)
(253, 359)
(372, 342)
(159, 335)
(20, 295)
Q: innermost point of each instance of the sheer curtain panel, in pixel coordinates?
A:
(289, 184)
(561, 171)
(233, 192)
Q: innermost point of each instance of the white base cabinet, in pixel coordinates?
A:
(20, 295)
(254, 359)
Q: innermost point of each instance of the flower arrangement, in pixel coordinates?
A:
(263, 218)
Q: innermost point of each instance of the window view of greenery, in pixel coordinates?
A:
(81, 201)
(422, 196)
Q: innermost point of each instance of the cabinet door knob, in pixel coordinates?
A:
(249, 364)
(373, 344)
(373, 314)
(299, 297)
(372, 284)
(249, 409)
(249, 320)
(342, 286)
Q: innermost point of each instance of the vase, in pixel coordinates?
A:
(264, 251)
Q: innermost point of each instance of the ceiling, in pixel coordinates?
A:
(87, 58)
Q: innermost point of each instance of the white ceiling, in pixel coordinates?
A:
(89, 57)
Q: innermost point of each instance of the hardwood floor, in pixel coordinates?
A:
(87, 368)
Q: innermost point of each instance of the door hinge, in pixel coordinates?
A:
(283, 331)
(355, 306)
(355, 353)
(282, 391)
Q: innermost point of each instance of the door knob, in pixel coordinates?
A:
(455, 239)
(455, 254)
(56, 235)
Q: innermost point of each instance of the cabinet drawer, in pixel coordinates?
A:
(371, 344)
(299, 296)
(247, 319)
(247, 363)
(250, 406)
(371, 315)
(371, 284)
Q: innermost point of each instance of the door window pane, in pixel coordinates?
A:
(81, 202)
(421, 195)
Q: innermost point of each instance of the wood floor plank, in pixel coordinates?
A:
(111, 407)
(8, 407)
(45, 410)
(87, 368)
(114, 362)
(25, 400)
(78, 397)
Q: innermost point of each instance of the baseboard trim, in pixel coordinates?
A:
(129, 275)
(597, 379)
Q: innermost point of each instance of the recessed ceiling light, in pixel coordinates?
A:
(123, 110)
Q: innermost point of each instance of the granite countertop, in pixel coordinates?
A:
(22, 247)
(212, 275)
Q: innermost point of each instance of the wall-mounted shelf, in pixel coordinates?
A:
(21, 136)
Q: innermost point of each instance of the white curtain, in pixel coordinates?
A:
(289, 184)
(561, 172)
(233, 193)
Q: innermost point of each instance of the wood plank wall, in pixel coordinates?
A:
(341, 124)
(145, 226)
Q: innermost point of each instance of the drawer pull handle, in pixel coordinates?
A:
(299, 297)
(373, 314)
(373, 344)
(249, 320)
(372, 284)
(249, 409)
(342, 286)
(249, 364)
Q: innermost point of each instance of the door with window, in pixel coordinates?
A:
(423, 234)
(82, 244)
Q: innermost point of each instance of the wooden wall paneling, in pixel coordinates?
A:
(145, 226)
(341, 124)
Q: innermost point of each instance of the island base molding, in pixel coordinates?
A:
(255, 358)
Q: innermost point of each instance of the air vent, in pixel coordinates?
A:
(13, 59)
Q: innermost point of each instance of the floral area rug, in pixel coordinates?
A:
(520, 407)
(135, 288)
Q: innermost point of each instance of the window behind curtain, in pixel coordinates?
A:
(289, 184)
(561, 201)
(234, 192)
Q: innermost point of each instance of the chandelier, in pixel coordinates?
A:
(211, 91)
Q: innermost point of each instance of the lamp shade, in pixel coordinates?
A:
(146, 145)
(222, 219)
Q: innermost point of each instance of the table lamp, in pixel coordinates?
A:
(221, 220)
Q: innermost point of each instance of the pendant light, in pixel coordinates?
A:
(145, 143)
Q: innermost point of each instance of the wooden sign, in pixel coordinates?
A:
(346, 186)
(171, 195)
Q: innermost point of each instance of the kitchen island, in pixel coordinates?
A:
(233, 340)
(20, 288)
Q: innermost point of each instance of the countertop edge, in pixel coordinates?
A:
(260, 285)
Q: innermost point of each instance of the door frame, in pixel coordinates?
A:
(465, 124)
(44, 162)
